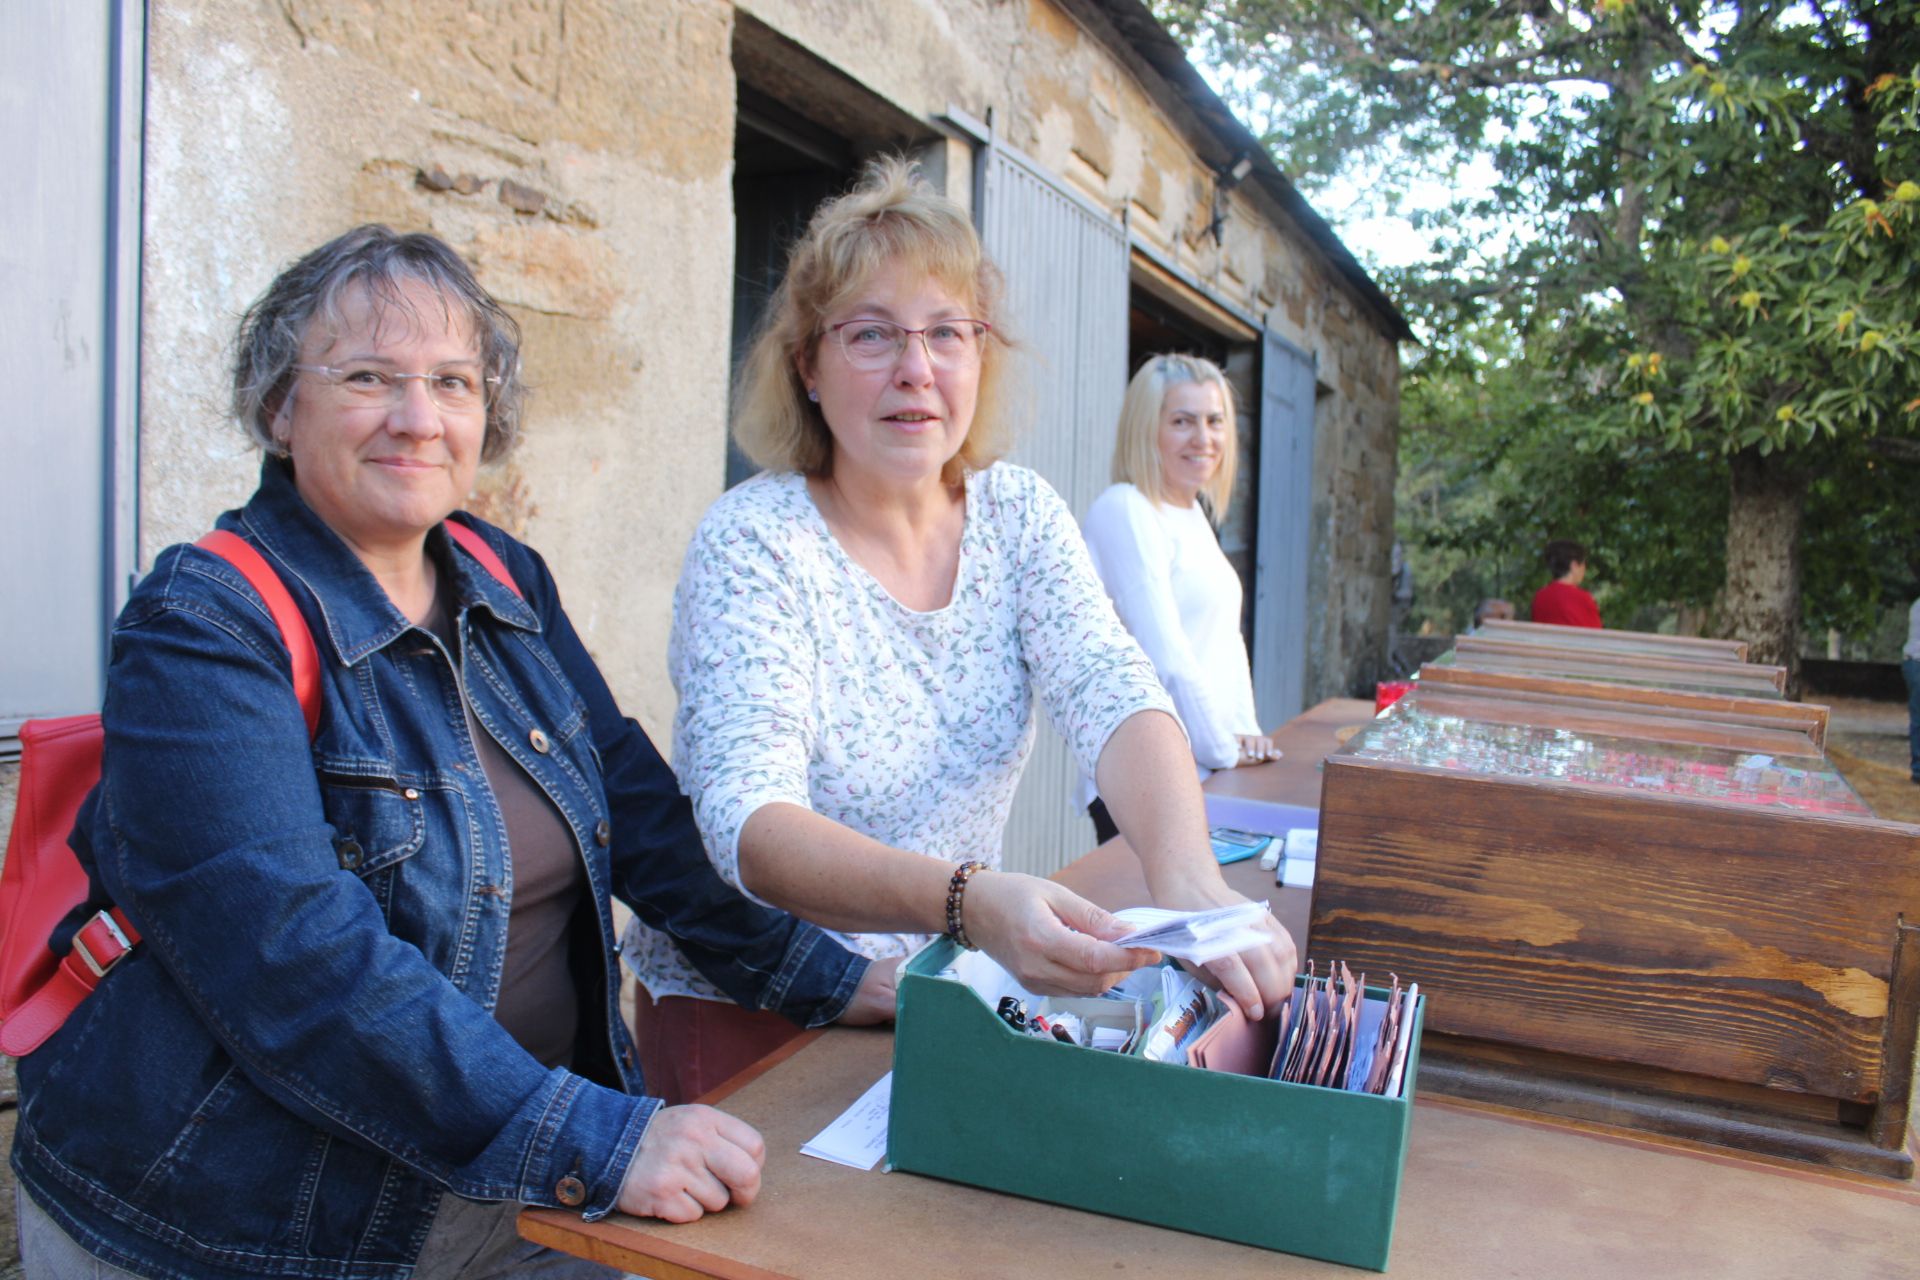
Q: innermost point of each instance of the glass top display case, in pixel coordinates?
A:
(1487, 734)
(1637, 907)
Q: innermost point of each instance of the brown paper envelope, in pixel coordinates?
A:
(1290, 1015)
(1383, 1045)
(1322, 1069)
(1234, 1044)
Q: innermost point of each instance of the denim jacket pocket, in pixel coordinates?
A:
(377, 824)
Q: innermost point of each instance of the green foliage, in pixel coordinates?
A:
(1701, 239)
(1863, 546)
(1487, 477)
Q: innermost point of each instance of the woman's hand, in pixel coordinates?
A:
(692, 1161)
(1048, 937)
(873, 1000)
(1257, 748)
(1258, 980)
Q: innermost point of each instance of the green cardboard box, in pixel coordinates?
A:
(1282, 1166)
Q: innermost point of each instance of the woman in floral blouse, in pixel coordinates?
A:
(861, 632)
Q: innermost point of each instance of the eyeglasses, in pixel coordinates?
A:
(878, 344)
(456, 388)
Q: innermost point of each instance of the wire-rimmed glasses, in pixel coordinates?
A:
(878, 344)
(455, 388)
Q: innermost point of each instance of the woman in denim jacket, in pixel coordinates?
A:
(376, 965)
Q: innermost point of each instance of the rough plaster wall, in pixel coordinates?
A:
(1354, 469)
(579, 154)
(1059, 95)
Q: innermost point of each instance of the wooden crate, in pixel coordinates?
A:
(1746, 679)
(1607, 640)
(1728, 969)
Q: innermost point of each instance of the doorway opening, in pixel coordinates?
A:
(1164, 316)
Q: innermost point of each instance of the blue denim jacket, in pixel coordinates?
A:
(299, 1060)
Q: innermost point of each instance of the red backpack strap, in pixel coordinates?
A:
(476, 546)
(101, 943)
(239, 553)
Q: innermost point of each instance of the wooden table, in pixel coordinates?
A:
(1484, 1195)
(1487, 1192)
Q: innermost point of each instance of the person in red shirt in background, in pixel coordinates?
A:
(1562, 600)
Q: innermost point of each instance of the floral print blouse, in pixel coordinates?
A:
(802, 680)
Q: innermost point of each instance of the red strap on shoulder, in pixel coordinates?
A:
(238, 552)
(476, 546)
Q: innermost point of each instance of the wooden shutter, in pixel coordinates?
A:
(1065, 262)
(1283, 536)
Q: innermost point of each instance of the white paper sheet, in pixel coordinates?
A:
(858, 1139)
(1199, 936)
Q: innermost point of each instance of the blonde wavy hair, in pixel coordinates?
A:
(1136, 445)
(890, 219)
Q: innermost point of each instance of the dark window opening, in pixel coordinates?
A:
(783, 167)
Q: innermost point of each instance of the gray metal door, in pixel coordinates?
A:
(69, 263)
(1282, 540)
(1065, 262)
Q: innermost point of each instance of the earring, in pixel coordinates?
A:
(813, 395)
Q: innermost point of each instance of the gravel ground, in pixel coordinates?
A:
(1867, 742)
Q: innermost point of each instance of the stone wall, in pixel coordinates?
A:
(577, 153)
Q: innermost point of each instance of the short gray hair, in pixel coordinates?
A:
(380, 260)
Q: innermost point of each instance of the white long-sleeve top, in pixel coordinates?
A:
(1173, 588)
(803, 681)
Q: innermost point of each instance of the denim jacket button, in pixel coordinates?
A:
(570, 1191)
(411, 793)
(603, 833)
(539, 741)
(349, 853)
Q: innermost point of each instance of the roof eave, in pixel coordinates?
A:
(1155, 45)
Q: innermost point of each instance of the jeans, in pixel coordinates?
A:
(48, 1253)
(1910, 668)
(470, 1240)
(467, 1241)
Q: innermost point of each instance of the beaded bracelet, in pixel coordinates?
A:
(956, 890)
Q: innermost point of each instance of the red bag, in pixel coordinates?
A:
(43, 882)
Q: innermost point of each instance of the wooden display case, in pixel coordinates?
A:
(1691, 675)
(1599, 640)
(1806, 718)
(1670, 918)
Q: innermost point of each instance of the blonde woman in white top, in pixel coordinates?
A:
(1153, 544)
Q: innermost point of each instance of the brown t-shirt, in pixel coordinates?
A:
(539, 1003)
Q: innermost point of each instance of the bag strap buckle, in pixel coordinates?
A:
(101, 944)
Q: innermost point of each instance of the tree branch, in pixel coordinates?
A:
(1898, 448)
